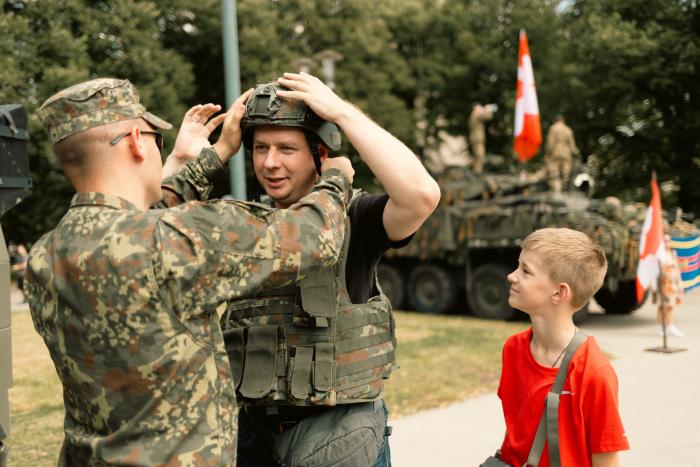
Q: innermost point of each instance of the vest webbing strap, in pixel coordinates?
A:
(363, 365)
(548, 429)
(301, 374)
(361, 319)
(362, 342)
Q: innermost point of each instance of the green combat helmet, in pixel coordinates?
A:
(266, 108)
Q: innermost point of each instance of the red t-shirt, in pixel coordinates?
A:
(589, 421)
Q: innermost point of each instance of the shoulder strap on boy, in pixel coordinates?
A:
(549, 423)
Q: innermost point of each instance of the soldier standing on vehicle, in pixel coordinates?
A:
(477, 133)
(558, 157)
(310, 361)
(126, 297)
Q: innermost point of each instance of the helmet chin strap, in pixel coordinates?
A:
(318, 150)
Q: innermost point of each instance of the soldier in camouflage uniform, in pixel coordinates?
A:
(558, 157)
(477, 133)
(127, 298)
(285, 155)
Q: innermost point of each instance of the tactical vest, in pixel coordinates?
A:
(307, 344)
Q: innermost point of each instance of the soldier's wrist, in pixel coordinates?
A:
(338, 178)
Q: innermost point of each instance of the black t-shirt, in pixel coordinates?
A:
(368, 242)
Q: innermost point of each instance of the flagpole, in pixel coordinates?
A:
(662, 299)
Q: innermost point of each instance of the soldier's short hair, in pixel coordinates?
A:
(77, 151)
(570, 256)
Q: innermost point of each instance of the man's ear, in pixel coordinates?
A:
(562, 294)
(323, 152)
(136, 144)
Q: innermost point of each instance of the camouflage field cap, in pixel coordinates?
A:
(93, 103)
(266, 108)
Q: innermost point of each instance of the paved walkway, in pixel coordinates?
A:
(658, 400)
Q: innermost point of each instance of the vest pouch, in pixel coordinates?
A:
(300, 384)
(348, 435)
(259, 372)
(233, 340)
(324, 364)
(318, 296)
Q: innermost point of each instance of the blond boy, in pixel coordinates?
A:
(558, 272)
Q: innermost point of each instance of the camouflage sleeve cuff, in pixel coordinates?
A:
(338, 179)
(195, 180)
(210, 165)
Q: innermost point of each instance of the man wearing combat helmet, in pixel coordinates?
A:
(126, 297)
(309, 360)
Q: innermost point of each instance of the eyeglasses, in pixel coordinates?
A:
(158, 135)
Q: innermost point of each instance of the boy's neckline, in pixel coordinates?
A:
(546, 364)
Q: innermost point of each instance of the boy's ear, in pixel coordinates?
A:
(562, 294)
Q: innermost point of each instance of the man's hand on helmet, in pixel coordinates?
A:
(341, 163)
(230, 139)
(314, 93)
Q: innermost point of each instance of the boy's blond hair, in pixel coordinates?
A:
(572, 257)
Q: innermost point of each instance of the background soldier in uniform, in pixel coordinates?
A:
(126, 297)
(477, 133)
(560, 147)
(318, 414)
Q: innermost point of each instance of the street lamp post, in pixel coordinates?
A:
(303, 64)
(232, 79)
(328, 58)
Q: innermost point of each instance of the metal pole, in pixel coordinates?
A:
(232, 78)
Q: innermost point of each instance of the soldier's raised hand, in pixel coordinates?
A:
(230, 139)
(197, 125)
(314, 93)
(341, 163)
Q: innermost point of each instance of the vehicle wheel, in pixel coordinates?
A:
(392, 283)
(488, 292)
(621, 302)
(431, 289)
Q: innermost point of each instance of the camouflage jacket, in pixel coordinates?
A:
(127, 300)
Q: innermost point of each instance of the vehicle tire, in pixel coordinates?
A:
(621, 302)
(392, 283)
(488, 292)
(431, 289)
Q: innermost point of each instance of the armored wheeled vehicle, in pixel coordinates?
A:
(468, 246)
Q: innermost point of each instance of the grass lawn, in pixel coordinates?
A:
(443, 359)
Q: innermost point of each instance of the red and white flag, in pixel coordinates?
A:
(651, 244)
(528, 134)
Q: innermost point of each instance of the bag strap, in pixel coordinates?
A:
(549, 422)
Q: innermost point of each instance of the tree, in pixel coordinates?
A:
(48, 46)
(639, 94)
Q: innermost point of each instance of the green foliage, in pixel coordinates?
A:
(623, 72)
(52, 45)
(641, 113)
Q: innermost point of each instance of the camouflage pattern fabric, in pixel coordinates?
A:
(193, 181)
(93, 103)
(127, 300)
